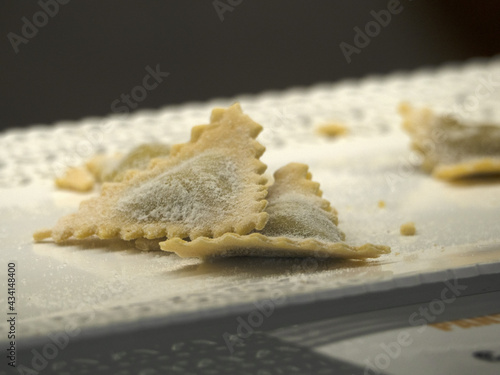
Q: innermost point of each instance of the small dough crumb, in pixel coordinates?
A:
(76, 178)
(381, 204)
(408, 229)
(332, 130)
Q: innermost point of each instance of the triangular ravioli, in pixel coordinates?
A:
(301, 223)
(452, 150)
(207, 187)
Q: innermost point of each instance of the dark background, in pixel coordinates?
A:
(92, 51)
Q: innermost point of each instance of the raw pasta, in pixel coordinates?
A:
(207, 187)
(451, 149)
(301, 223)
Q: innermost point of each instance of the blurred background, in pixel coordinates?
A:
(67, 60)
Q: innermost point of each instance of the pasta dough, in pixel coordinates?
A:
(408, 229)
(452, 150)
(76, 178)
(332, 130)
(207, 187)
(301, 223)
(103, 168)
(113, 168)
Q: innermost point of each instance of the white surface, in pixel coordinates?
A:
(421, 350)
(96, 283)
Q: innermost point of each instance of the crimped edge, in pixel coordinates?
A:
(172, 230)
(478, 167)
(256, 244)
(298, 174)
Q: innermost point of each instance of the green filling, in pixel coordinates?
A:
(295, 218)
(198, 191)
(137, 158)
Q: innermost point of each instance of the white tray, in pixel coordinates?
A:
(108, 283)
